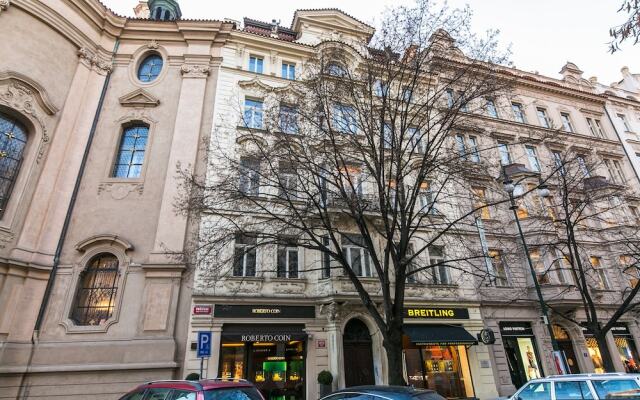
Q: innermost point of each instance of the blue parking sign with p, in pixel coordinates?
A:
(204, 344)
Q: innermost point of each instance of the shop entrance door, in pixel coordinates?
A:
(358, 355)
(565, 344)
(520, 349)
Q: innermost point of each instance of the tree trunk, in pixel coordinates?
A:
(393, 345)
(605, 354)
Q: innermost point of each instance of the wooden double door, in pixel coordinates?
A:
(357, 354)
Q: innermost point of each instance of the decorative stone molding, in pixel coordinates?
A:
(139, 98)
(119, 191)
(5, 238)
(107, 238)
(153, 45)
(91, 60)
(289, 287)
(4, 5)
(194, 71)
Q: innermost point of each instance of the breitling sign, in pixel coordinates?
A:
(436, 313)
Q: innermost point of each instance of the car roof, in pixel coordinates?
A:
(609, 376)
(407, 391)
(205, 384)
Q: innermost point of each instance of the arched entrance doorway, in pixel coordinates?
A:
(565, 344)
(358, 354)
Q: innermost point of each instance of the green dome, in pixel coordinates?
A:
(164, 10)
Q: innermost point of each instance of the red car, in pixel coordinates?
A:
(208, 389)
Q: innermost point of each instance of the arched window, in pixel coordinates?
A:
(13, 139)
(96, 292)
(130, 157)
(158, 13)
(167, 15)
(335, 69)
(150, 68)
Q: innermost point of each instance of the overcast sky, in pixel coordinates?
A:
(544, 34)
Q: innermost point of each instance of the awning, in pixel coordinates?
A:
(447, 335)
(263, 332)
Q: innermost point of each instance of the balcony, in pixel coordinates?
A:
(596, 182)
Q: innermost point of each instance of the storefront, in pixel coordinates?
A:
(272, 355)
(626, 347)
(435, 355)
(521, 351)
(566, 346)
(593, 349)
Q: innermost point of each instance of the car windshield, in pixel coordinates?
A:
(535, 391)
(608, 387)
(238, 393)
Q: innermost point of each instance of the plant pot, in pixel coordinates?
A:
(325, 389)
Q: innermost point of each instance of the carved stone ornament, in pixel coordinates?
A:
(194, 71)
(119, 191)
(153, 45)
(4, 5)
(20, 98)
(139, 98)
(91, 60)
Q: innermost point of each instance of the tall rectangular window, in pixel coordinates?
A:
(440, 274)
(592, 127)
(491, 109)
(415, 137)
(518, 113)
(539, 266)
(582, 164)
(130, 157)
(244, 260)
(599, 129)
(624, 121)
(288, 182)
(542, 117)
(426, 199)
(473, 149)
(357, 255)
(505, 156)
(601, 278)
(344, 119)
(289, 71)
(249, 176)
(380, 88)
(288, 119)
(460, 145)
(563, 269)
(387, 135)
(450, 98)
(567, 126)
(253, 113)
(407, 94)
(615, 171)
(558, 162)
(500, 277)
(468, 148)
(326, 259)
(532, 155)
(480, 202)
(256, 64)
(287, 258)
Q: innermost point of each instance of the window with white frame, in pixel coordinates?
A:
(387, 135)
(539, 266)
(634, 215)
(244, 257)
(287, 263)
(287, 182)
(413, 275)
(289, 70)
(344, 119)
(491, 109)
(426, 199)
(582, 164)
(625, 123)
(532, 156)
(543, 119)
(253, 113)
(256, 64)
(407, 94)
(439, 271)
(288, 119)
(468, 147)
(380, 88)
(480, 202)
(505, 155)
(450, 98)
(567, 125)
(614, 168)
(249, 176)
(631, 269)
(563, 269)
(499, 268)
(599, 130)
(518, 113)
(326, 258)
(415, 138)
(357, 255)
(601, 278)
(352, 180)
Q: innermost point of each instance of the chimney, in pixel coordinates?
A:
(142, 9)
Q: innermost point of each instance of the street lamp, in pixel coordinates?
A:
(543, 191)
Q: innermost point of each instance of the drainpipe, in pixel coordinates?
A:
(622, 142)
(65, 227)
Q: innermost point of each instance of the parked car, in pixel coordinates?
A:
(581, 387)
(383, 393)
(208, 389)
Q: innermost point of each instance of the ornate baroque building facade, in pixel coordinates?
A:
(98, 110)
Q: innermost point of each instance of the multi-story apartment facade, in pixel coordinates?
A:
(96, 111)
(313, 321)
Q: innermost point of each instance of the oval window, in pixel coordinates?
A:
(150, 68)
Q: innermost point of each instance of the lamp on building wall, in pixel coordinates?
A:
(543, 191)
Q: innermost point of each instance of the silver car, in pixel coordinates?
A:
(581, 387)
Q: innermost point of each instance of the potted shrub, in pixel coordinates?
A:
(325, 379)
(193, 377)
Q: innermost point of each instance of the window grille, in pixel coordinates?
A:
(96, 294)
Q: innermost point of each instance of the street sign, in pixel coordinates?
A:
(204, 344)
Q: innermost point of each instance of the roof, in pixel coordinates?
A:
(327, 9)
(267, 29)
(406, 392)
(205, 384)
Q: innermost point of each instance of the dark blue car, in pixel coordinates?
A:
(383, 393)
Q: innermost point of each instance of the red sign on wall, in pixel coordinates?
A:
(202, 310)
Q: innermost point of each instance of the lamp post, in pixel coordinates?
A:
(543, 191)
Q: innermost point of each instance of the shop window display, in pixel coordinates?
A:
(626, 347)
(520, 349)
(276, 368)
(594, 353)
(443, 368)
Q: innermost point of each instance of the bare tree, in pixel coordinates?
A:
(585, 220)
(358, 161)
(630, 29)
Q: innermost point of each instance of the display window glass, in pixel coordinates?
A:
(594, 353)
(276, 368)
(444, 369)
(628, 353)
(521, 352)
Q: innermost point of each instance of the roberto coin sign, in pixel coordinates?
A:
(436, 313)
